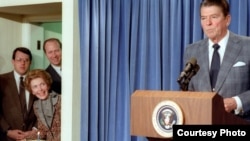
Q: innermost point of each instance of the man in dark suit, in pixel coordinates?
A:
(14, 118)
(233, 78)
(52, 48)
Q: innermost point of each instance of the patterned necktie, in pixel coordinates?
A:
(215, 66)
(22, 97)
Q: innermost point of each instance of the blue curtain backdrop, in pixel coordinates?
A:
(128, 45)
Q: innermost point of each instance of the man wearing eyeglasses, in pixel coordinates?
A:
(16, 112)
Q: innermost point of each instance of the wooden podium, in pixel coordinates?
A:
(197, 108)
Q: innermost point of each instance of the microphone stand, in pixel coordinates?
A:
(184, 85)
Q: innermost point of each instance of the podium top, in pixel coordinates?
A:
(187, 94)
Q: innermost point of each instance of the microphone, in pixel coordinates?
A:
(193, 72)
(190, 65)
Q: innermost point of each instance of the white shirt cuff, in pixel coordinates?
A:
(238, 109)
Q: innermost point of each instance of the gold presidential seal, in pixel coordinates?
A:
(165, 115)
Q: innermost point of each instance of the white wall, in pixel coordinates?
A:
(10, 38)
(32, 34)
(15, 34)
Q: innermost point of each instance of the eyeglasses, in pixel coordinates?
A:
(20, 60)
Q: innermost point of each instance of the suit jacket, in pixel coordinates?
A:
(234, 74)
(56, 85)
(49, 127)
(11, 116)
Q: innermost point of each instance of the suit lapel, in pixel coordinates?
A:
(14, 91)
(203, 57)
(53, 73)
(31, 100)
(232, 51)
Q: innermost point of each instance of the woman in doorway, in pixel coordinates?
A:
(47, 108)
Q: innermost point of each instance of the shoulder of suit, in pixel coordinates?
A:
(199, 43)
(49, 68)
(237, 37)
(6, 75)
(195, 46)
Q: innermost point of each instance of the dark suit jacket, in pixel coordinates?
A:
(56, 85)
(11, 116)
(234, 75)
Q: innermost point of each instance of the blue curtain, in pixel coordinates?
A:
(128, 45)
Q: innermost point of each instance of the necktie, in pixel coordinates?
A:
(215, 65)
(22, 97)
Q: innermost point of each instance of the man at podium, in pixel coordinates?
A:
(233, 76)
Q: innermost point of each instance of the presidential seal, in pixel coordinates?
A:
(165, 115)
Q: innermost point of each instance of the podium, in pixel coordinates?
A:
(197, 108)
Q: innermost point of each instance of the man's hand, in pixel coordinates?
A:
(230, 104)
(16, 134)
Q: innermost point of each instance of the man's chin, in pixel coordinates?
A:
(211, 36)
